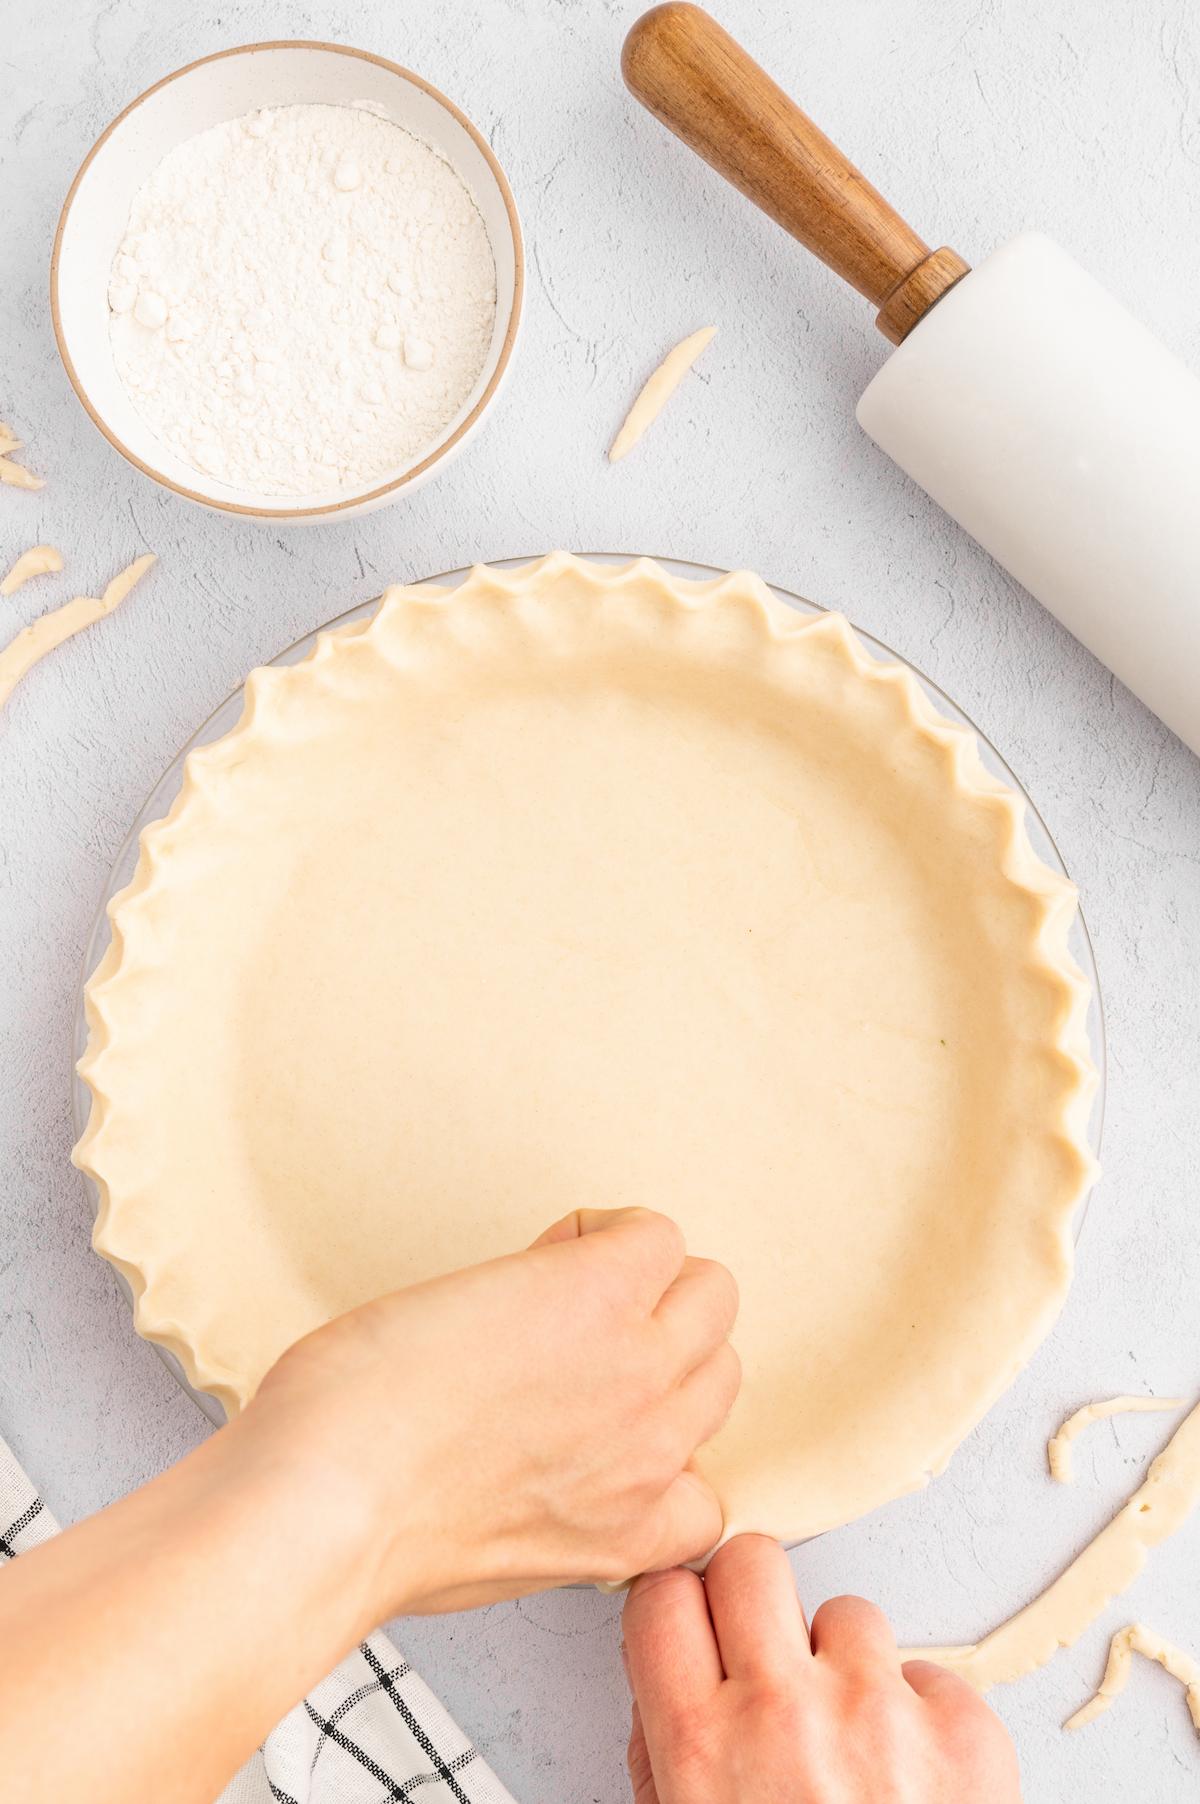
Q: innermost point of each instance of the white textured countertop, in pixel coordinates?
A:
(977, 118)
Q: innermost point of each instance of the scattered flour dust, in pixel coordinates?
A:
(303, 299)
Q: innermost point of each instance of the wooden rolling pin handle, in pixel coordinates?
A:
(689, 72)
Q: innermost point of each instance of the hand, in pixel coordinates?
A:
(735, 1702)
(522, 1424)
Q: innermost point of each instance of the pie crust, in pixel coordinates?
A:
(583, 885)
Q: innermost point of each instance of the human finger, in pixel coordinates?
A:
(670, 1650)
(567, 1227)
(937, 1683)
(755, 1611)
(641, 1773)
(686, 1525)
(697, 1311)
(854, 1635)
(701, 1404)
(644, 1248)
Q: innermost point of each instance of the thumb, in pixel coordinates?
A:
(568, 1227)
(578, 1222)
(688, 1523)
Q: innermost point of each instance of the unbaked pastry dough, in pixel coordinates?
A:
(12, 473)
(1058, 1447)
(1137, 1639)
(1056, 1619)
(17, 476)
(33, 642)
(657, 391)
(39, 560)
(580, 885)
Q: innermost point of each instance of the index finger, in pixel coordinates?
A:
(648, 1247)
(756, 1613)
(670, 1650)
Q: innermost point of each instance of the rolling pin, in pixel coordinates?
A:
(1021, 396)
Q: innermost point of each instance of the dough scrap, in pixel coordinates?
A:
(1058, 1448)
(1105, 1569)
(17, 476)
(8, 440)
(658, 389)
(1137, 1639)
(40, 560)
(33, 642)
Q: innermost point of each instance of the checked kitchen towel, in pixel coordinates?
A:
(371, 1732)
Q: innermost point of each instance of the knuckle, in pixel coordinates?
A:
(724, 1286)
(648, 1543)
(719, 1385)
(608, 1297)
(665, 1452)
(633, 1557)
(660, 1231)
(730, 1371)
(672, 1247)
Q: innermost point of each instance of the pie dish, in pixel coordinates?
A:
(584, 885)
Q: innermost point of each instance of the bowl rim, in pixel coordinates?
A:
(333, 507)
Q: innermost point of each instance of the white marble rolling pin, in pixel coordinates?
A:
(1022, 397)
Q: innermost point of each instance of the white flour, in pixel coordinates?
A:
(303, 300)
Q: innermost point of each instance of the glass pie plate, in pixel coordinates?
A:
(226, 716)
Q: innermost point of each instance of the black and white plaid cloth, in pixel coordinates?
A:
(369, 1733)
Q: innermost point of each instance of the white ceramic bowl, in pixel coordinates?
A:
(206, 93)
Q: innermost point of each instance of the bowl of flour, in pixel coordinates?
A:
(287, 281)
